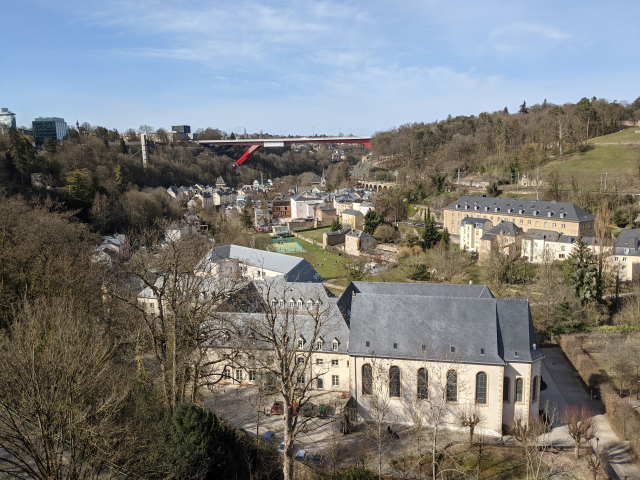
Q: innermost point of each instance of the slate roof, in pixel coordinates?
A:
(349, 211)
(314, 179)
(513, 207)
(509, 229)
(627, 243)
(538, 234)
(501, 326)
(293, 268)
(358, 233)
(478, 222)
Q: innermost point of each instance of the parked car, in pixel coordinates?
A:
(277, 408)
(317, 460)
(301, 456)
(268, 437)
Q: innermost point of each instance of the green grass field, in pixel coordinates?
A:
(627, 135)
(323, 260)
(613, 159)
(316, 234)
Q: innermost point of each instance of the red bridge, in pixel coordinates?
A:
(256, 143)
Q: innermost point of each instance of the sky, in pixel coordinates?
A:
(299, 67)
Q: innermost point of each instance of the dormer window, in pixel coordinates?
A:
(292, 303)
(486, 209)
(281, 303)
(453, 349)
(335, 344)
(273, 303)
(309, 304)
(550, 214)
(301, 342)
(319, 344)
(626, 251)
(516, 354)
(367, 344)
(319, 304)
(300, 304)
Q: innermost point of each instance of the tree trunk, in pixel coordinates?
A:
(577, 449)
(288, 440)
(433, 453)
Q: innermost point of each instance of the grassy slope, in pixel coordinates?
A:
(627, 135)
(324, 259)
(613, 159)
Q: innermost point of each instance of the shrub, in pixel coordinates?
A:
(385, 234)
(353, 473)
(404, 252)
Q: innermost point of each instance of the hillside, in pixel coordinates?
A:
(624, 136)
(621, 160)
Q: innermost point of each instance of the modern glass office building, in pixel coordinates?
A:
(49, 127)
(7, 119)
(183, 129)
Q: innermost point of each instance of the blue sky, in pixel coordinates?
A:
(289, 66)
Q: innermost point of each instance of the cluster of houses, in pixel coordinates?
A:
(537, 231)
(410, 343)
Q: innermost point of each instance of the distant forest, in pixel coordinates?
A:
(475, 144)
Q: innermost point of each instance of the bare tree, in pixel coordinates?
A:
(63, 389)
(179, 311)
(279, 343)
(598, 461)
(145, 129)
(533, 434)
(470, 416)
(447, 262)
(581, 425)
(375, 385)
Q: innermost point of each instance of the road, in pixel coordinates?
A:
(557, 371)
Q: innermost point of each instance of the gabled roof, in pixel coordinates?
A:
(500, 327)
(349, 211)
(538, 234)
(478, 222)
(314, 179)
(627, 243)
(293, 268)
(509, 229)
(358, 233)
(523, 208)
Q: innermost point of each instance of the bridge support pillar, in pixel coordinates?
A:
(247, 154)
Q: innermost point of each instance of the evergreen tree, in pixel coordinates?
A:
(336, 225)
(430, 234)
(581, 273)
(192, 443)
(246, 217)
(22, 152)
(78, 185)
(523, 108)
(372, 220)
(123, 147)
(121, 176)
(50, 146)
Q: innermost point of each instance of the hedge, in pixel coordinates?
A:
(622, 417)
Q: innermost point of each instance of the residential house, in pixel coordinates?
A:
(302, 207)
(324, 214)
(625, 254)
(220, 183)
(281, 209)
(353, 218)
(545, 245)
(506, 238)
(331, 239)
(224, 196)
(366, 206)
(472, 229)
(357, 242)
(560, 217)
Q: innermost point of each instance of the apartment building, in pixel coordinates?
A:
(562, 217)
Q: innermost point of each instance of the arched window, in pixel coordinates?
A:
(423, 384)
(481, 388)
(519, 389)
(394, 382)
(534, 389)
(292, 303)
(506, 390)
(452, 386)
(367, 379)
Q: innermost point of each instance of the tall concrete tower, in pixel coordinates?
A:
(145, 152)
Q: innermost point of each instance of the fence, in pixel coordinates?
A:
(287, 247)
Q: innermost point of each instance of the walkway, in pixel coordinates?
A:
(557, 371)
